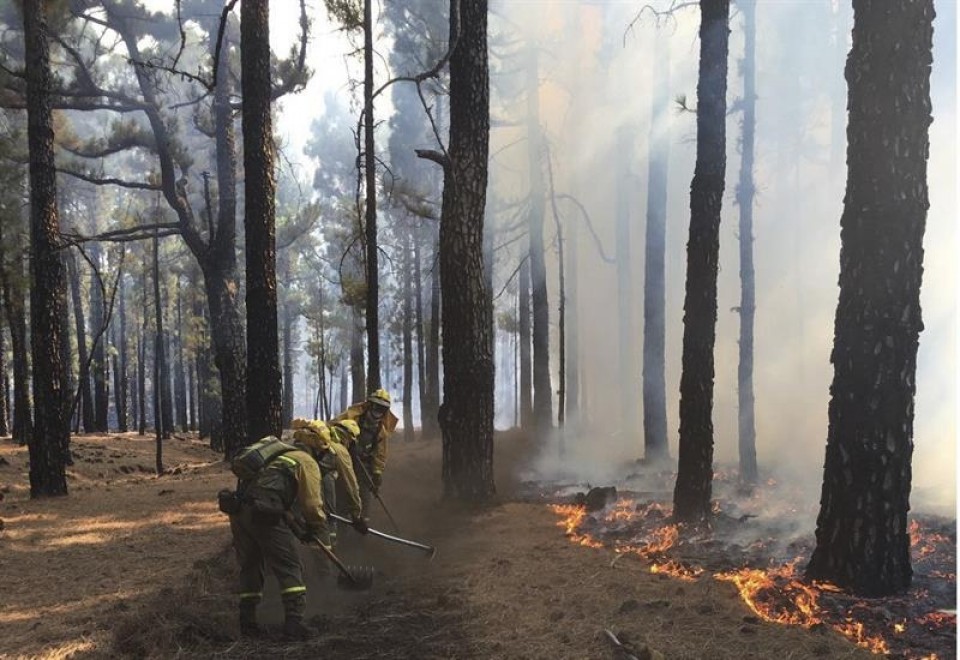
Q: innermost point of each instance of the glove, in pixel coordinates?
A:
(377, 478)
(360, 525)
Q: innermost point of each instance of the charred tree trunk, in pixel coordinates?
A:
(86, 394)
(407, 336)
(862, 539)
(418, 317)
(691, 496)
(121, 367)
(165, 380)
(430, 406)
(48, 285)
(98, 363)
(655, 445)
(142, 357)
(159, 368)
(370, 210)
(179, 372)
(523, 324)
(745, 192)
(263, 351)
(466, 415)
(13, 298)
(542, 389)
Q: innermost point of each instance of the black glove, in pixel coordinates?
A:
(360, 525)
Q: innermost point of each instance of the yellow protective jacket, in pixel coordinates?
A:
(316, 434)
(306, 472)
(387, 426)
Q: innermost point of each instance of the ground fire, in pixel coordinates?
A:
(918, 625)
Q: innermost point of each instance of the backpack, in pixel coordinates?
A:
(253, 458)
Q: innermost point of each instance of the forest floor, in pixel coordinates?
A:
(135, 565)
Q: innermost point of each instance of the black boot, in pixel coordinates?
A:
(294, 630)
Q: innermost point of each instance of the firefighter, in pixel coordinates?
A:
(335, 464)
(284, 480)
(376, 424)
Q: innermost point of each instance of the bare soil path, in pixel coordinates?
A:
(132, 565)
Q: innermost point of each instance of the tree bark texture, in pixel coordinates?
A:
(862, 539)
(542, 388)
(86, 393)
(98, 362)
(4, 410)
(263, 350)
(466, 415)
(691, 496)
(48, 284)
(656, 448)
(15, 308)
(370, 209)
(430, 406)
(747, 430)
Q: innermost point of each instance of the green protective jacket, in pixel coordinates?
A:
(306, 473)
(378, 452)
(346, 475)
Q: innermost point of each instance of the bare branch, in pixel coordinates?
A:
(110, 181)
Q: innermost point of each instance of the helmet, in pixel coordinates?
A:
(312, 433)
(349, 426)
(380, 398)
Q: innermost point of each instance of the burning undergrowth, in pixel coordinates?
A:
(759, 541)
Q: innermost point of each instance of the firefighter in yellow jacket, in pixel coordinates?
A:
(335, 464)
(376, 424)
(286, 482)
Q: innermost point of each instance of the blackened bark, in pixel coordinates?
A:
(466, 415)
(159, 368)
(48, 285)
(655, 444)
(542, 389)
(86, 393)
(418, 316)
(98, 363)
(747, 432)
(523, 325)
(407, 331)
(263, 350)
(691, 496)
(370, 210)
(13, 298)
(179, 371)
(430, 406)
(862, 539)
(121, 366)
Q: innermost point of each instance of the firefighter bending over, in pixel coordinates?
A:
(376, 424)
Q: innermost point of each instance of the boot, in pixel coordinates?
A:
(294, 630)
(248, 620)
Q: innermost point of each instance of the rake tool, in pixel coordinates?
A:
(351, 577)
(429, 549)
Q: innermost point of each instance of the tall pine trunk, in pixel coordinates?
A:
(418, 316)
(86, 393)
(263, 351)
(370, 209)
(98, 363)
(121, 366)
(159, 366)
(142, 357)
(4, 410)
(430, 406)
(466, 415)
(48, 284)
(656, 448)
(862, 538)
(407, 331)
(691, 496)
(747, 432)
(179, 370)
(542, 389)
